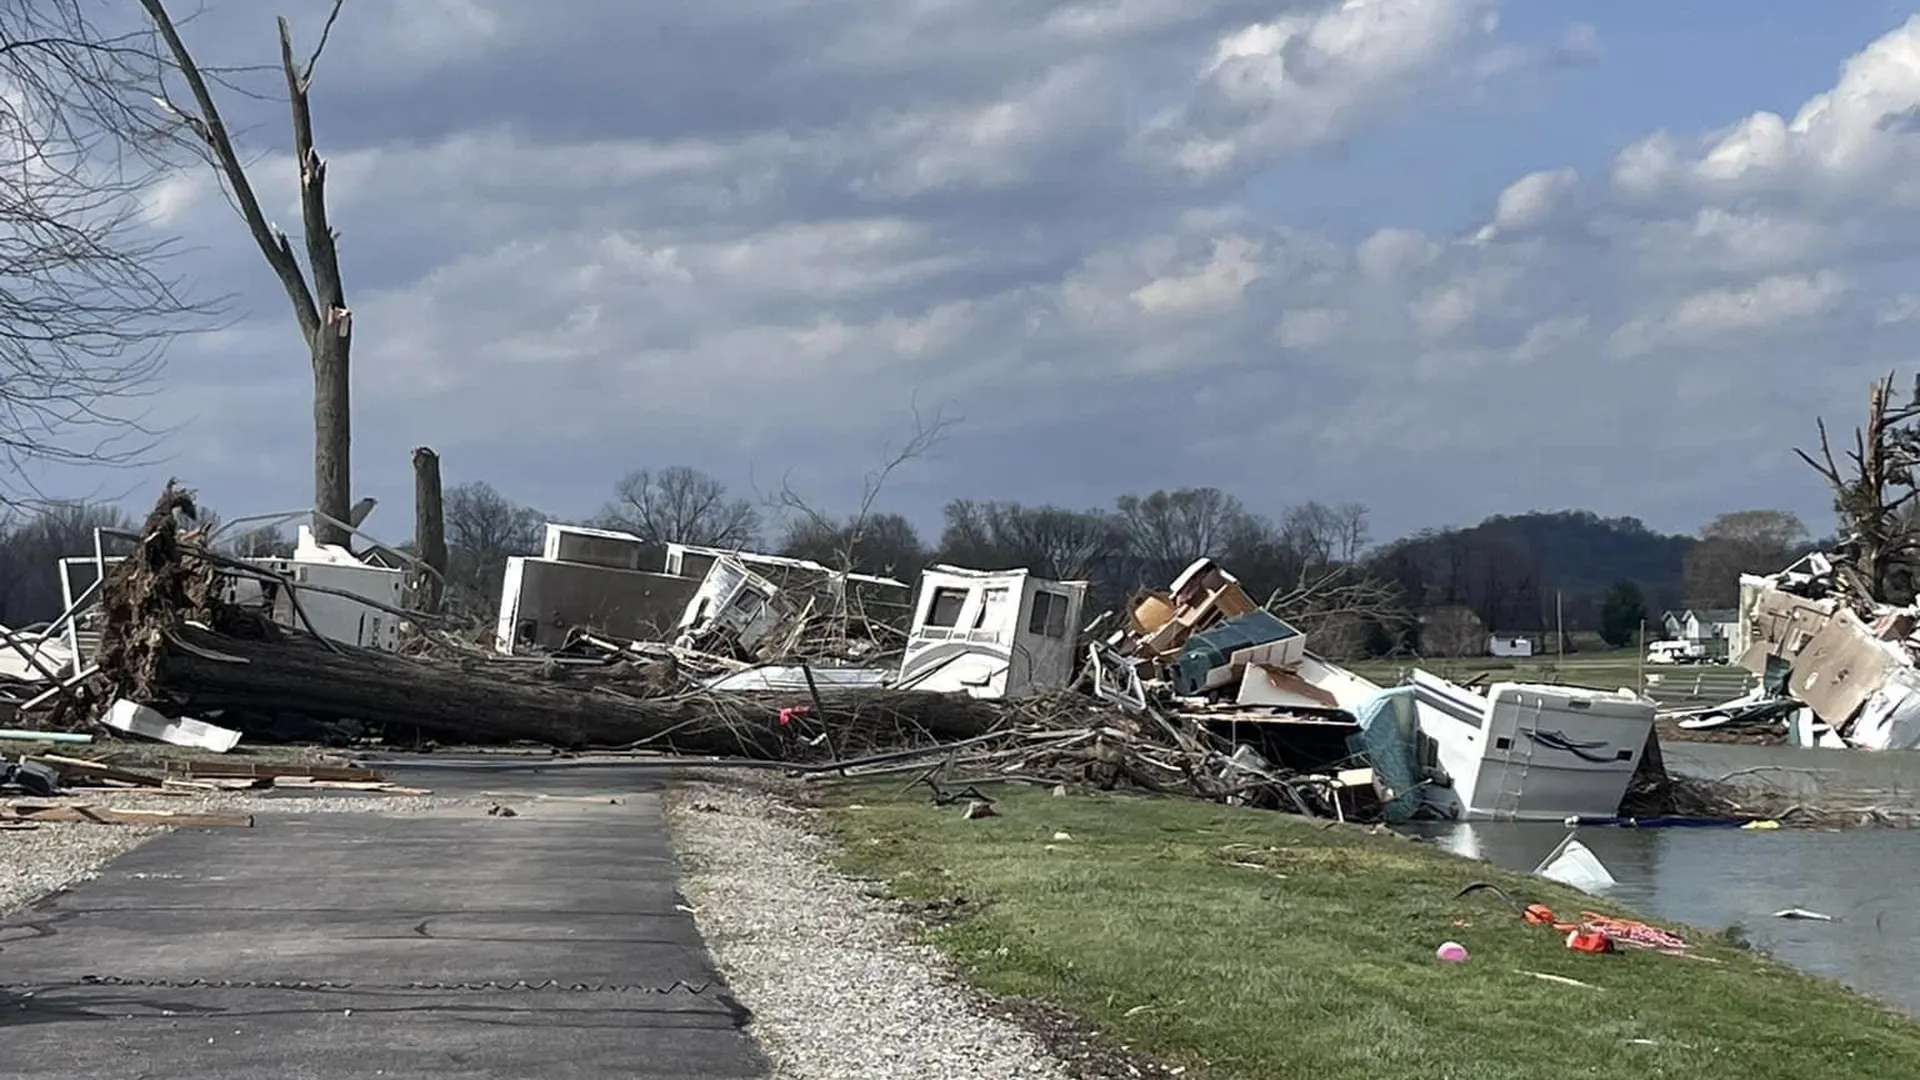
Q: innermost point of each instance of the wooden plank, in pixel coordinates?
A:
(232, 783)
(176, 784)
(100, 815)
(585, 800)
(363, 785)
(264, 771)
(95, 770)
(306, 783)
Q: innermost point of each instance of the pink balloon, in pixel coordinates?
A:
(1451, 952)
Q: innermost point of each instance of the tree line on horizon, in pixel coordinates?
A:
(1429, 593)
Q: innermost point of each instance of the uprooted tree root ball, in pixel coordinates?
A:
(149, 596)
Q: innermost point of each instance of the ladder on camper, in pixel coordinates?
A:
(1513, 782)
(1514, 766)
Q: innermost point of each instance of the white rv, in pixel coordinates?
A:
(992, 634)
(337, 615)
(733, 601)
(1530, 752)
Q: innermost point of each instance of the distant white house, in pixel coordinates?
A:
(1703, 624)
(1515, 646)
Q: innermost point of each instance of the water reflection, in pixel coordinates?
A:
(1721, 877)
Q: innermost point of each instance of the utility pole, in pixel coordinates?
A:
(1640, 661)
(1559, 629)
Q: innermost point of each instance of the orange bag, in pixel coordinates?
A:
(1588, 940)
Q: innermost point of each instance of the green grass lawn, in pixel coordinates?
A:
(1608, 669)
(1247, 944)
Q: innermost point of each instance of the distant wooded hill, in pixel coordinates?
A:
(1508, 568)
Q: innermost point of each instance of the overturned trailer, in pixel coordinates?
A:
(617, 586)
(586, 579)
(993, 633)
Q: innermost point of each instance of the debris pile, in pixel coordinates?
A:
(606, 642)
(1838, 669)
(608, 586)
(1746, 798)
(88, 786)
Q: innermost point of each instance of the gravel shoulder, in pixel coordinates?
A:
(836, 985)
(51, 857)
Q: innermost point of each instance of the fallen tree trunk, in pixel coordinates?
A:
(200, 670)
(172, 643)
(102, 815)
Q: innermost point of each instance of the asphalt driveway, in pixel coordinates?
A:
(452, 944)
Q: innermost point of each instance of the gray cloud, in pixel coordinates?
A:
(745, 235)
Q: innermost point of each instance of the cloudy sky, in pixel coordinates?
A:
(1446, 257)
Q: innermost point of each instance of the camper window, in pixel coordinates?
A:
(992, 599)
(1049, 615)
(944, 609)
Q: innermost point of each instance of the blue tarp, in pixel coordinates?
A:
(1210, 648)
(1389, 737)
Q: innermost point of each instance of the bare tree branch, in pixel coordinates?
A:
(1873, 491)
(684, 506)
(85, 312)
(211, 128)
(1332, 605)
(306, 72)
(927, 433)
(845, 543)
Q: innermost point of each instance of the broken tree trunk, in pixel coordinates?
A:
(429, 531)
(1875, 493)
(319, 306)
(330, 336)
